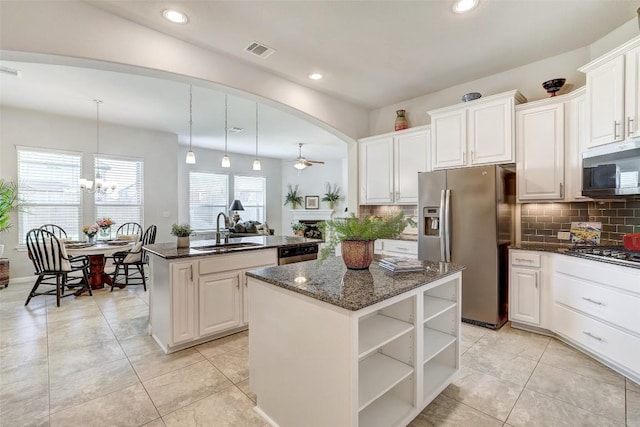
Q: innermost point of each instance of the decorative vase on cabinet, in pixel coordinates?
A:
(401, 121)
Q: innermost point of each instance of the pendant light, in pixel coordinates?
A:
(256, 163)
(191, 157)
(102, 186)
(226, 162)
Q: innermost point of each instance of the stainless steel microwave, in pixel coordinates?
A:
(612, 171)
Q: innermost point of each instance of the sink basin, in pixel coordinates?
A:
(226, 246)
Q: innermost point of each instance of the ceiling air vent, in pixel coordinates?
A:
(10, 72)
(258, 49)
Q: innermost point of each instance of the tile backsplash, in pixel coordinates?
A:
(542, 221)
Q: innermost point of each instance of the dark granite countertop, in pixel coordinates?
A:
(564, 250)
(353, 290)
(170, 250)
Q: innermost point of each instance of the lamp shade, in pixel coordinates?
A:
(236, 206)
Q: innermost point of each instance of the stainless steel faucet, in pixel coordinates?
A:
(226, 220)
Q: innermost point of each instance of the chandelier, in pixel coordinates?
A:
(101, 185)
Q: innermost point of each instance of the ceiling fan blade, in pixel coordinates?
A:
(320, 162)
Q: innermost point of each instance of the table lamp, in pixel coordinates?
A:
(236, 206)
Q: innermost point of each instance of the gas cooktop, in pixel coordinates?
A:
(617, 253)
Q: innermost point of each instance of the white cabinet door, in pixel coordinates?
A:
(605, 100)
(491, 132)
(449, 139)
(219, 302)
(575, 145)
(245, 300)
(524, 304)
(540, 165)
(410, 158)
(183, 303)
(376, 171)
(632, 93)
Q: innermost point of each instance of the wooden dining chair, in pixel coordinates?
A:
(50, 260)
(129, 229)
(55, 230)
(136, 257)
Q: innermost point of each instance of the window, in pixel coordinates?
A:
(48, 182)
(125, 203)
(208, 196)
(252, 192)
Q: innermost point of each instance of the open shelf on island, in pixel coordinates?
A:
(439, 369)
(377, 374)
(434, 306)
(378, 330)
(434, 342)
(390, 409)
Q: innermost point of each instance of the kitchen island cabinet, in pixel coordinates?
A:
(335, 347)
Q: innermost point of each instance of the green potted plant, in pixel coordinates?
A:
(9, 201)
(357, 236)
(293, 197)
(298, 228)
(182, 232)
(331, 195)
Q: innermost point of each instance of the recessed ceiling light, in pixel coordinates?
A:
(175, 16)
(462, 6)
(315, 76)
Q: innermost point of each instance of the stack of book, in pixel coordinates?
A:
(401, 264)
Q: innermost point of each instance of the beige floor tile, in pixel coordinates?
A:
(446, 412)
(77, 339)
(65, 313)
(63, 363)
(23, 319)
(83, 386)
(502, 365)
(151, 365)
(633, 386)
(584, 392)
(224, 345)
(127, 407)
(184, 386)
(514, 341)
(560, 355)
(126, 328)
(245, 388)
(234, 364)
(24, 402)
(138, 345)
(633, 409)
(486, 393)
(155, 423)
(21, 361)
(17, 336)
(536, 409)
(227, 408)
(25, 420)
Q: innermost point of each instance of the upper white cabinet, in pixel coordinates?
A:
(479, 132)
(389, 166)
(613, 95)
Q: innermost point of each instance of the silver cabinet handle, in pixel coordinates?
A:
(464, 157)
(629, 123)
(616, 125)
(191, 272)
(592, 301)
(523, 260)
(473, 155)
(536, 279)
(561, 190)
(595, 337)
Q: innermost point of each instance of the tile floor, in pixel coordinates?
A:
(90, 362)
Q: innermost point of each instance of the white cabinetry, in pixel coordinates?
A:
(524, 283)
(205, 298)
(391, 247)
(389, 166)
(476, 133)
(613, 95)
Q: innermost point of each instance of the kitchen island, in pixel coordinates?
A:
(199, 293)
(335, 347)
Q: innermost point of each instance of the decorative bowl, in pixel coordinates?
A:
(554, 85)
(470, 96)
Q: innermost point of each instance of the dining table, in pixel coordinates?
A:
(97, 253)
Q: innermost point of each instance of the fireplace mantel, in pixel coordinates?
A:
(311, 214)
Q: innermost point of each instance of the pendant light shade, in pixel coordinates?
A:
(191, 157)
(256, 163)
(102, 186)
(226, 162)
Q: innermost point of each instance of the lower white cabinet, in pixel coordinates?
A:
(201, 299)
(403, 248)
(525, 295)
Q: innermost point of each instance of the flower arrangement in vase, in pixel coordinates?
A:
(182, 232)
(90, 231)
(298, 228)
(105, 224)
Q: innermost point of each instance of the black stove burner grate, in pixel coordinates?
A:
(612, 252)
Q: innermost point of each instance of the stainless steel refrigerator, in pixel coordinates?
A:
(466, 217)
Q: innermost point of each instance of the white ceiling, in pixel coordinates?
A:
(373, 54)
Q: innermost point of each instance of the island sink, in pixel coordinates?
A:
(225, 246)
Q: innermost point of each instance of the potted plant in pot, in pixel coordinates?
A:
(293, 197)
(182, 232)
(357, 236)
(331, 195)
(298, 228)
(9, 201)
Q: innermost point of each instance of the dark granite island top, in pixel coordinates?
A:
(333, 283)
(200, 248)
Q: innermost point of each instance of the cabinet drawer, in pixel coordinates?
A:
(527, 259)
(607, 304)
(242, 260)
(408, 247)
(599, 272)
(602, 339)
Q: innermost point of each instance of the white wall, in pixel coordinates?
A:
(35, 129)
(209, 160)
(311, 182)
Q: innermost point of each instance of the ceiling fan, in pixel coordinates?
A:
(301, 162)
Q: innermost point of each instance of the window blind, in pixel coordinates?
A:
(48, 183)
(125, 203)
(252, 192)
(208, 196)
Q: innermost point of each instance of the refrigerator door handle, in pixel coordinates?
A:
(442, 222)
(447, 226)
